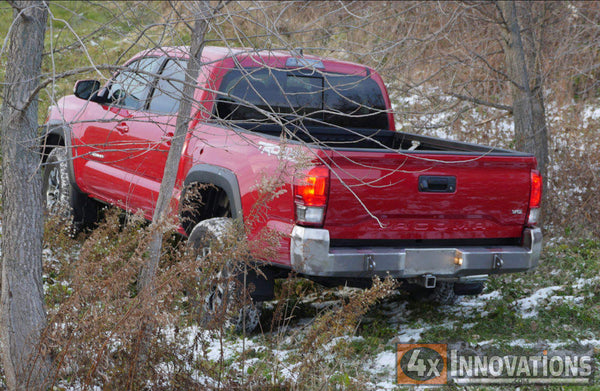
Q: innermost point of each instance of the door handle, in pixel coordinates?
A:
(122, 127)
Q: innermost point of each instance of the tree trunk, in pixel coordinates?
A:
(148, 272)
(23, 316)
(532, 42)
(202, 12)
(524, 68)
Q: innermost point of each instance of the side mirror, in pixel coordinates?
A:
(85, 88)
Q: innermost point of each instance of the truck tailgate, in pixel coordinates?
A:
(378, 196)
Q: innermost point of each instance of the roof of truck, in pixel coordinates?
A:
(267, 57)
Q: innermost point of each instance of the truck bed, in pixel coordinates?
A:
(390, 188)
(358, 138)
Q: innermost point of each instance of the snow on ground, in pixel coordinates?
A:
(590, 112)
(382, 366)
(410, 335)
(581, 283)
(386, 361)
(529, 305)
(335, 341)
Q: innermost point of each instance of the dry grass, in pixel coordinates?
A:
(96, 312)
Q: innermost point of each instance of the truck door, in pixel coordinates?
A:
(112, 158)
(151, 135)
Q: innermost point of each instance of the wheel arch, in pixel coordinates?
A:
(55, 134)
(220, 178)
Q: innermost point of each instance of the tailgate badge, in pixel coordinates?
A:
(517, 212)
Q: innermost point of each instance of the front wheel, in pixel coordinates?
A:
(56, 184)
(61, 198)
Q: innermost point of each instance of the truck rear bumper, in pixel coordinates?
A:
(311, 255)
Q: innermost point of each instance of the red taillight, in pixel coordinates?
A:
(310, 196)
(535, 196)
(312, 190)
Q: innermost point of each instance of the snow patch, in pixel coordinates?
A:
(386, 386)
(335, 341)
(589, 112)
(490, 296)
(385, 362)
(411, 335)
(568, 299)
(581, 283)
(529, 304)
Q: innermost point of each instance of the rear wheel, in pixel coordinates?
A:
(443, 293)
(469, 288)
(225, 297)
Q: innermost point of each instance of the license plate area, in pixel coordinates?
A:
(434, 261)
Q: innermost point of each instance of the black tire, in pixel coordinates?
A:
(468, 288)
(61, 198)
(227, 288)
(443, 293)
(57, 187)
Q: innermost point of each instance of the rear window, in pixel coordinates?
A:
(307, 98)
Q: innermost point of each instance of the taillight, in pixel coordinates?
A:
(535, 198)
(310, 196)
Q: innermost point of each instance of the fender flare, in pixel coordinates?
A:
(220, 177)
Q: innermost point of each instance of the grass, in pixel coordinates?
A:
(559, 317)
(494, 323)
(83, 33)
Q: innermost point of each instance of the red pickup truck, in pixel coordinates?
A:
(372, 200)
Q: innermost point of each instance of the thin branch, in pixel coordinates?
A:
(481, 102)
(495, 70)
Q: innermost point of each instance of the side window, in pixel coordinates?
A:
(130, 89)
(169, 88)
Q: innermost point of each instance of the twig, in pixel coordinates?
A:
(481, 102)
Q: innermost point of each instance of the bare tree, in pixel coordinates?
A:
(201, 17)
(522, 56)
(201, 13)
(23, 316)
